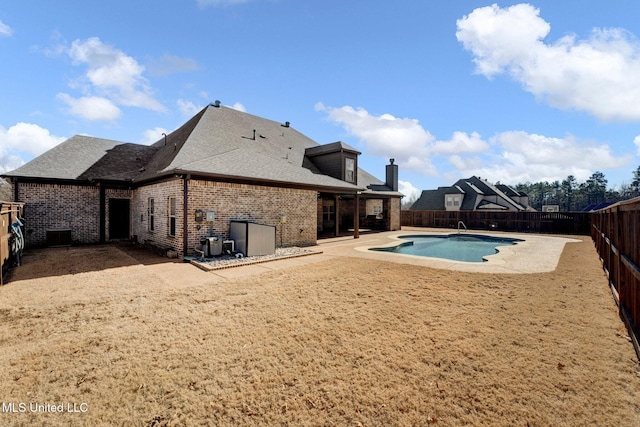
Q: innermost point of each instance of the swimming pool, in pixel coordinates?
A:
(457, 247)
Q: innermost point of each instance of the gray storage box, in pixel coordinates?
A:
(253, 239)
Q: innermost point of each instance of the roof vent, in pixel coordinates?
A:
(216, 104)
(286, 125)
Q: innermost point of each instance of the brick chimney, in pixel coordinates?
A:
(392, 176)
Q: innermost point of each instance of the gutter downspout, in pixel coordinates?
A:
(185, 215)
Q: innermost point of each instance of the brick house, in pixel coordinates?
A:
(231, 164)
(473, 194)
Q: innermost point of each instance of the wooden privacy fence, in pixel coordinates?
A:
(615, 232)
(521, 222)
(9, 242)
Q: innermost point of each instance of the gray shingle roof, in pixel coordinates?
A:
(473, 188)
(218, 142)
(68, 160)
(224, 142)
(330, 148)
(374, 186)
(124, 162)
(430, 200)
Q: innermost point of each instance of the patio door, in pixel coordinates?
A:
(119, 218)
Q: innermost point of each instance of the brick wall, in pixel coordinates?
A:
(49, 206)
(395, 206)
(160, 192)
(260, 204)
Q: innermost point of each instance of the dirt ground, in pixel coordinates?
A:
(114, 337)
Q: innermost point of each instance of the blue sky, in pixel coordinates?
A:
(508, 91)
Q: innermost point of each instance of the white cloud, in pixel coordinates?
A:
(522, 157)
(461, 142)
(28, 137)
(152, 136)
(24, 138)
(8, 161)
(93, 108)
(636, 141)
(111, 75)
(187, 108)
(599, 75)
(406, 188)
(512, 157)
(238, 106)
(5, 30)
(385, 135)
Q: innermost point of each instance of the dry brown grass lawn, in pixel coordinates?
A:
(342, 342)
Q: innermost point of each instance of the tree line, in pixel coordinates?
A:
(571, 195)
(5, 190)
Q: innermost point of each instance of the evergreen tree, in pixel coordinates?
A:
(596, 188)
(635, 183)
(568, 187)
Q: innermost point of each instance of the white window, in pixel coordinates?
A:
(456, 201)
(151, 214)
(449, 201)
(328, 212)
(172, 216)
(350, 170)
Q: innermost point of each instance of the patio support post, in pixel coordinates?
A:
(356, 216)
(337, 214)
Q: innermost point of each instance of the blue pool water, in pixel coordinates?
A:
(457, 247)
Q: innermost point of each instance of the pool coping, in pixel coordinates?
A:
(534, 254)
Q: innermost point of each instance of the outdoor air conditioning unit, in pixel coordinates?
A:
(211, 246)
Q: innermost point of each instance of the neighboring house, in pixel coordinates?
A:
(473, 194)
(222, 162)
